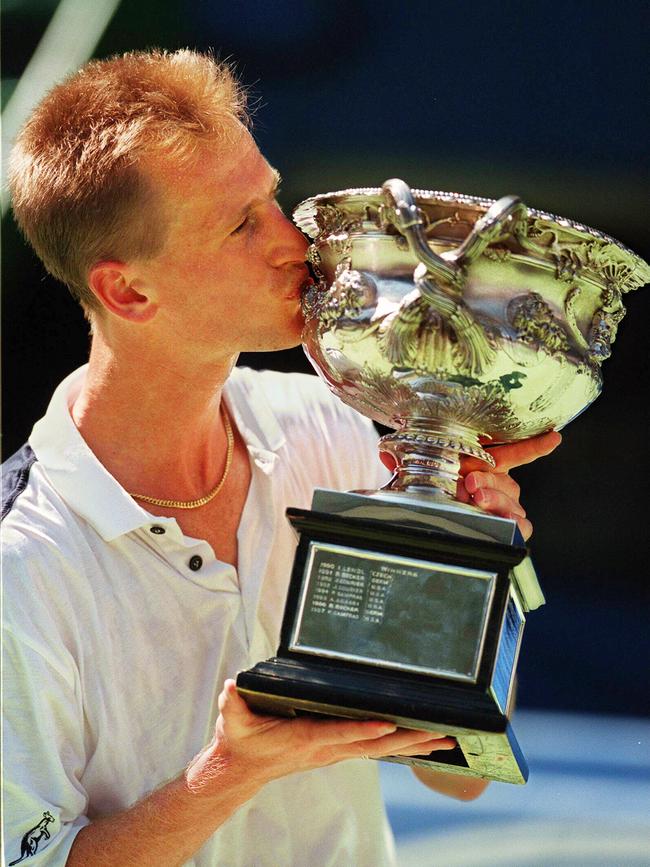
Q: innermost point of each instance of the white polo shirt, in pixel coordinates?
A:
(120, 631)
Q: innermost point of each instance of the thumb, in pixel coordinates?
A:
(234, 709)
(231, 704)
(388, 460)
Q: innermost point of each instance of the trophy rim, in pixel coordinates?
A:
(304, 213)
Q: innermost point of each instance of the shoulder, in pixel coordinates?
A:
(31, 507)
(41, 537)
(327, 438)
(44, 578)
(15, 476)
(302, 399)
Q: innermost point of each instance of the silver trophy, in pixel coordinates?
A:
(459, 322)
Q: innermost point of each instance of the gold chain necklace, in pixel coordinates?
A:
(194, 504)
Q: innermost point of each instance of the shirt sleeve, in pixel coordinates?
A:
(44, 757)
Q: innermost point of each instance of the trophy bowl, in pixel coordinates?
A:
(457, 320)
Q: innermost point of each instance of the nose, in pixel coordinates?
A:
(288, 245)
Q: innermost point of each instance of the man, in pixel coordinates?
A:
(146, 552)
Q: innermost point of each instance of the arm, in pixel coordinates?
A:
(248, 751)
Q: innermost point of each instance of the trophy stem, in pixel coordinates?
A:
(427, 454)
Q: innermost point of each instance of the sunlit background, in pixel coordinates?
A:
(548, 101)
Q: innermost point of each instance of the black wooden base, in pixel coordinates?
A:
(326, 675)
(486, 748)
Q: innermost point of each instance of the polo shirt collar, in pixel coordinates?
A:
(93, 493)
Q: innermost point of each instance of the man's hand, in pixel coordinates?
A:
(492, 489)
(264, 748)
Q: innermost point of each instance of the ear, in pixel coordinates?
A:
(120, 293)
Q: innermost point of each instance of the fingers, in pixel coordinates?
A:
(237, 714)
(272, 747)
(497, 494)
(497, 503)
(404, 742)
(512, 455)
(231, 704)
(228, 693)
(339, 732)
(481, 481)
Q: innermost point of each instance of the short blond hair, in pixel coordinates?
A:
(78, 195)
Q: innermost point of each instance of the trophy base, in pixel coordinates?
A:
(410, 612)
(486, 745)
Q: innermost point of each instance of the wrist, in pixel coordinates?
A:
(214, 771)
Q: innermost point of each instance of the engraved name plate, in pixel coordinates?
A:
(392, 611)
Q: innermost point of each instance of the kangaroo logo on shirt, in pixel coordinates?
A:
(30, 841)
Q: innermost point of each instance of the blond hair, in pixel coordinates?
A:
(78, 194)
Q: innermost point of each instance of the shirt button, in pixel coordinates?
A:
(195, 563)
(157, 530)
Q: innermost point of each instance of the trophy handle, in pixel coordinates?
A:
(408, 219)
(439, 279)
(492, 225)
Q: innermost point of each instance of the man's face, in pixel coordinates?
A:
(229, 277)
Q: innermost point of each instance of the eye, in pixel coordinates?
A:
(241, 226)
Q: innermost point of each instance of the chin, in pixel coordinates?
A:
(276, 343)
(288, 335)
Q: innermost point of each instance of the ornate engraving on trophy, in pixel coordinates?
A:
(333, 221)
(452, 397)
(497, 253)
(564, 245)
(534, 322)
(351, 293)
(604, 325)
(496, 317)
(432, 328)
(456, 225)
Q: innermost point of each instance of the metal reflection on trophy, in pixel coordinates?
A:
(459, 322)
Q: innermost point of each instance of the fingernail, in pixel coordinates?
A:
(470, 484)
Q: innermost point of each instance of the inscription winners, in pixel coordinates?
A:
(391, 610)
(342, 589)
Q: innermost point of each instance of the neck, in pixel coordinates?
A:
(154, 423)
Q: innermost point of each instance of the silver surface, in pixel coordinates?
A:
(458, 321)
(418, 511)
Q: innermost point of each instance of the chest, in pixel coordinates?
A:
(218, 521)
